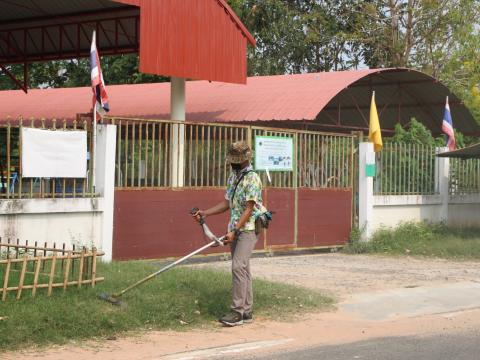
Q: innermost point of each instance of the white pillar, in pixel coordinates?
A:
(443, 179)
(365, 191)
(177, 112)
(105, 182)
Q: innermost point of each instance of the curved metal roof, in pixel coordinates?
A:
(336, 101)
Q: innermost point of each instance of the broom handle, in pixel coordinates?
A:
(164, 269)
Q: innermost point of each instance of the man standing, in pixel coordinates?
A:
(243, 197)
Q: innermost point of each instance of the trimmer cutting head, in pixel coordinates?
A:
(111, 299)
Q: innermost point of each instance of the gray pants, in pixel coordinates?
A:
(242, 294)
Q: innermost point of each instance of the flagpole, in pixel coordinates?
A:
(94, 157)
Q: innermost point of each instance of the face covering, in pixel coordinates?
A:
(236, 167)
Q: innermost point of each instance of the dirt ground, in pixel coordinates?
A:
(342, 276)
(345, 275)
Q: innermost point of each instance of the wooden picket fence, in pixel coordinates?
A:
(24, 267)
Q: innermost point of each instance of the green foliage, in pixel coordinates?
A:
(182, 298)
(422, 239)
(355, 234)
(416, 133)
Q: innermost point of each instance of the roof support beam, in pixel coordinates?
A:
(411, 105)
(389, 102)
(10, 47)
(359, 110)
(332, 119)
(69, 17)
(390, 83)
(23, 86)
(345, 127)
(68, 39)
(428, 113)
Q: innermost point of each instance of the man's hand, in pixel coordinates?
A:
(229, 238)
(199, 214)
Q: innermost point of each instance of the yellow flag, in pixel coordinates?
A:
(374, 133)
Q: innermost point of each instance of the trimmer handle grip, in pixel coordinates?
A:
(194, 211)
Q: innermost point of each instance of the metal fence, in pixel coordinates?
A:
(144, 153)
(405, 169)
(464, 176)
(325, 161)
(143, 158)
(14, 186)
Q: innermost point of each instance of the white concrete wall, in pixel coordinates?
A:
(464, 210)
(71, 221)
(389, 211)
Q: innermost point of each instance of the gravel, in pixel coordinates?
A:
(343, 275)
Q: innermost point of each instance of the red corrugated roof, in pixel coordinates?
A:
(303, 97)
(282, 97)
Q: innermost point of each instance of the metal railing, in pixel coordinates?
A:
(206, 147)
(144, 153)
(14, 186)
(325, 161)
(464, 176)
(405, 169)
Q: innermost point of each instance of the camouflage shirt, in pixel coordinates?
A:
(249, 189)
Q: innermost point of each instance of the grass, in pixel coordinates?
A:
(422, 239)
(182, 298)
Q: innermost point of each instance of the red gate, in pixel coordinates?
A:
(312, 205)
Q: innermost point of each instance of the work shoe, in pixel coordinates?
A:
(247, 317)
(232, 319)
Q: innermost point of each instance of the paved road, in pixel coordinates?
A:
(464, 346)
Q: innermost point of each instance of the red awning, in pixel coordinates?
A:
(192, 39)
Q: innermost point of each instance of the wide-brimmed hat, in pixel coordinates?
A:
(238, 153)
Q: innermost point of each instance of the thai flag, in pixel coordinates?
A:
(447, 127)
(100, 98)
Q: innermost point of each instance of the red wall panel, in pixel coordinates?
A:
(150, 224)
(156, 223)
(195, 39)
(282, 203)
(324, 217)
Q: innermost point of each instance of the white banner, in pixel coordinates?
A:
(54, 154)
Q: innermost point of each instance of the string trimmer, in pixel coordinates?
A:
(214, 241)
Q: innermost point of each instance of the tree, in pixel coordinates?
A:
(279, 34)
(438, 37)
(296, 36)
